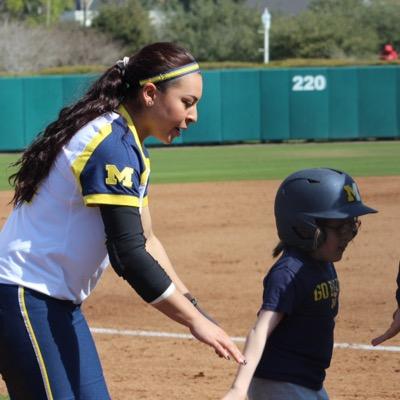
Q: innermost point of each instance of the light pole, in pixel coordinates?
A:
(266, 20)
(48, 12)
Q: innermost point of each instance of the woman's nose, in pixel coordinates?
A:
(192, 115)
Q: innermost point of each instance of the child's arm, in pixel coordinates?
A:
(254, 347)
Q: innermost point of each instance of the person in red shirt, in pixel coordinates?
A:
(388, 53)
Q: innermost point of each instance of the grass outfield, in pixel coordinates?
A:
(259, 161)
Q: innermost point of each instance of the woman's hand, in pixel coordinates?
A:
(207, 332)
(177, 307)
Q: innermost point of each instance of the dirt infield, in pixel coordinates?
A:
(219, 237)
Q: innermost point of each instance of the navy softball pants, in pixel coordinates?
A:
(46, 349)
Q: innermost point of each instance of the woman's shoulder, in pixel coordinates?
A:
(94, 131)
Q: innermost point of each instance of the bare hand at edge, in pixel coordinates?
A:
(393, 330)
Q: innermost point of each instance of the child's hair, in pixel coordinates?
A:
(278, 249)
(319, 238)
(306, 199)
(106, 94)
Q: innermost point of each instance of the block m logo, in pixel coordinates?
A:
(352, 193)
(115, 176)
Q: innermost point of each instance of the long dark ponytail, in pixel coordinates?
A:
(116, 85)
(34, 164)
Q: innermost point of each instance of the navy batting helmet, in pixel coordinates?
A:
(311, 194)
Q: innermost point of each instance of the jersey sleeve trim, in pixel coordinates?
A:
(145, 175)
(122, 111)
(114, 199)
(79, 164)
(171, 289)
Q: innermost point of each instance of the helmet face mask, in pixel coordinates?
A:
(309, 195)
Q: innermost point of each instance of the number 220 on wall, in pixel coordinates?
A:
(308, 83)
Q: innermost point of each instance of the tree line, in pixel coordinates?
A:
(213, 30)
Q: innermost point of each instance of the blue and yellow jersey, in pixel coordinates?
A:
(55, 244)
(113, 167)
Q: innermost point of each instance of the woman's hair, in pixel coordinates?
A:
(116, 85)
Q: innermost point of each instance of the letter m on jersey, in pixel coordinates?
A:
(115, 176)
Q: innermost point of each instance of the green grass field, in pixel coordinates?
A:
(259, 161)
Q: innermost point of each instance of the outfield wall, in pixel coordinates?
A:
(237, 105)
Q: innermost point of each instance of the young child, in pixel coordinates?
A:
(290, 346)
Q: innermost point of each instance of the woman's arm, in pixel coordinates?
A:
(157, 250)
(254, 347)
(129, 258)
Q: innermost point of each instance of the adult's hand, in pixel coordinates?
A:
(177, 307)
(207, 332)
(393, 330)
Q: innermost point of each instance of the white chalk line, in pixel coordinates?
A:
(238, 339)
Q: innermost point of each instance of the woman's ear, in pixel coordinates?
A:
(149, 93)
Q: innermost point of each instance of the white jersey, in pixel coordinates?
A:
(55, 244)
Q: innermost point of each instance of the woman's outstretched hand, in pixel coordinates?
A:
(180, 309)
(211, 334)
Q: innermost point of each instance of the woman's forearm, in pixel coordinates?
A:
(157, 250)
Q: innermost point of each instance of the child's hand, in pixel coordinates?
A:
(393, 330)
(234, 394)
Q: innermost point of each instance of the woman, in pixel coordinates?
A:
(81, 201)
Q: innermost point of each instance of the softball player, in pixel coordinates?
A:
(81, 199)
(290, 346)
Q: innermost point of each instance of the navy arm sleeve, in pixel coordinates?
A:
(128, 256)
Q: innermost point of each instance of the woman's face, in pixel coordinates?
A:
(175, 108)
(339, 232)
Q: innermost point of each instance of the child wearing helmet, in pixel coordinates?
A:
(290, 346)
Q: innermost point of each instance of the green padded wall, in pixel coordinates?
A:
(308, 102)
(343, 103)
(243, 105)
(240, 105)
(208, 128)
(12, 114)
(42, 102)
(275, 105)
(378, 102)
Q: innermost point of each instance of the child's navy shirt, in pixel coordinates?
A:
(300, 348)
